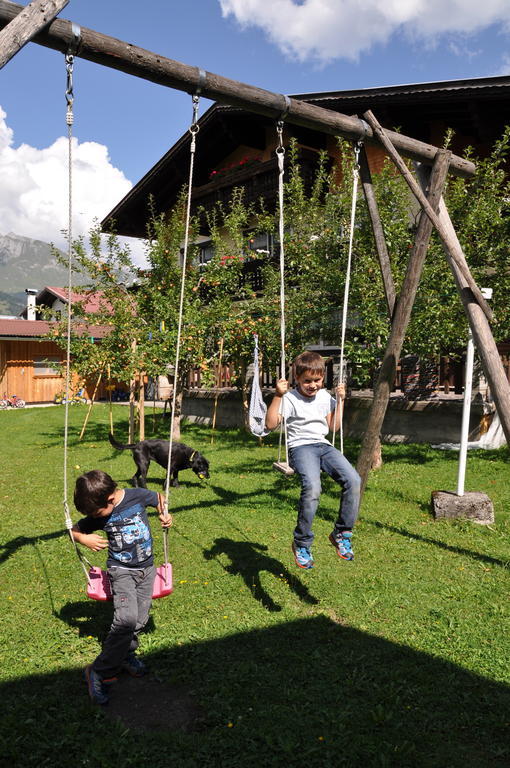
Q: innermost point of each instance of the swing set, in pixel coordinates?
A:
(98, 582)
(38, 22)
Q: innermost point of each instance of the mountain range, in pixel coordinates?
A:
(26, 263)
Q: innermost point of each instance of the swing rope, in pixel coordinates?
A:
(193, 129)
(341, 373)
(69, 95)
(280, 155)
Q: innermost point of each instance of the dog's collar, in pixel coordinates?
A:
(191, 457)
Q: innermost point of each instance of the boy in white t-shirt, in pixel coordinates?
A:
(310, 413)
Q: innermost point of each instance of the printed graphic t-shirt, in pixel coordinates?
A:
(127, 529)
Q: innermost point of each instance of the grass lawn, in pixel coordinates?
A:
(397, 659)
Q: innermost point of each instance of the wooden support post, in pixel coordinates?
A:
(132, 400)
(110, 409)
(91, 404)
(139, 62)
(425, 205)
(141, 406)
(400, 322)
(132, 394)
(480, 328)
(377, 228)
(218, 385)
(26, 25)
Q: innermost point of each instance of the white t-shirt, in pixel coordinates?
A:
(306, 417)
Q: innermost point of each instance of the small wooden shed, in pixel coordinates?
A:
(30, 364)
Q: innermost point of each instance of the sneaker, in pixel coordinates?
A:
(95, 686)
(302, 556)
(342, 544)
(134, 666)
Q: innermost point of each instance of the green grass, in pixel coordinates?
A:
(397, 659)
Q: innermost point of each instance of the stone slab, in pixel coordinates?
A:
(473, 505)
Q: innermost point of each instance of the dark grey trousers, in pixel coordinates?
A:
(132, 598)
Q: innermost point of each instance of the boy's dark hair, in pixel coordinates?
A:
(309, 361)
(92, 491)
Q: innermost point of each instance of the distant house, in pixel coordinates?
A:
(30, 363)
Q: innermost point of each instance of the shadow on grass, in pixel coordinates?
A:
(441, 544)
(247, 559)
(224, 497)
(309, 691)
(422, 453)
(11, 547)
(92, 618)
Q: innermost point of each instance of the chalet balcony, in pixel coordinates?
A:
(258, 179)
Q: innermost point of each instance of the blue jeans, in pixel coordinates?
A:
(132, 599)
(308, 461)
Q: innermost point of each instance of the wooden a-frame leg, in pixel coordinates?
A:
(401, 318)
(378, 231)
(482, 334)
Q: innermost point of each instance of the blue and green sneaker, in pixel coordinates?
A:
(342, 544)
(302, 556)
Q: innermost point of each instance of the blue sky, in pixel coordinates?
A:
(123, 125)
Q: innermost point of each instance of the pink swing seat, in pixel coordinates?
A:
(99, 588)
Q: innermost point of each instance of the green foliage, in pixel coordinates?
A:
(223, 304)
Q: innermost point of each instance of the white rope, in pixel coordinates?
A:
(69, 121)
(193, 131)
(341, 376)
(280, 154)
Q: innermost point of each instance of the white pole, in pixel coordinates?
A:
(466, 412)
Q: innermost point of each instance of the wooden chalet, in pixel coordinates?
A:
(236, 148)
(30, 363)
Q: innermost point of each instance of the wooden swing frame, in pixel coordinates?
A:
(139, 62)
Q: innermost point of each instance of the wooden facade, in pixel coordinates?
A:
(25, 371)
(21, 375)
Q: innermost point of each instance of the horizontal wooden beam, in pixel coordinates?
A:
(26, 25)
(110, 52)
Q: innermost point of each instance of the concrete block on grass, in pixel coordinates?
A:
(473, 505)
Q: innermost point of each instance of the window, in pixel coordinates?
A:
(47, 366)
(262, 243)
(206, 252)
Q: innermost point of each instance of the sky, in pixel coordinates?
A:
(123, 125)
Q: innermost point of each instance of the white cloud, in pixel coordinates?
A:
(34, 188)
(505, 67)
(324, 30)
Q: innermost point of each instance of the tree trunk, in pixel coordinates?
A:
(245, 386)
(176, 427)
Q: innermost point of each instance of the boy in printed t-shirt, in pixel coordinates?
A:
(310, 413)
(122, 515)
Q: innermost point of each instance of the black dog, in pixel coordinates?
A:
(183, 457)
